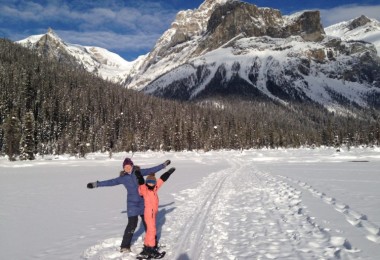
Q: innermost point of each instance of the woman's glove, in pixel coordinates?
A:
(92, 185)
(167, 162)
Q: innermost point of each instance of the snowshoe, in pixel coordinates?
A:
(144, 253)
(151, 253)
(159, 255)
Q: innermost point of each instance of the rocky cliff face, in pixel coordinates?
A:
(175, 46)
(237, 18)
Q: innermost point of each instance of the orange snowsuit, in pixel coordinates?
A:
(150, 212)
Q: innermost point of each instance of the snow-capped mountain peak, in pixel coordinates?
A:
(97, 60)
(211, 26)
(180, 40)
(52, 34)
(361, 28)
(34, 39)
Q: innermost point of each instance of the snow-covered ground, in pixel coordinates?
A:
(259, 204)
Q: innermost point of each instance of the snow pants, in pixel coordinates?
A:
(150, 220)
(130, 229)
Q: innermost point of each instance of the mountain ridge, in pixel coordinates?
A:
(286, 58)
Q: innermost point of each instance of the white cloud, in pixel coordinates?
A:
(29, 13)
(147, 18)
(348, 12)
(107, 24)
(110, 40)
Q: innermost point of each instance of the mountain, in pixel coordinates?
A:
(97, 60)
(359, 29)
(229, 47)
(236, 48)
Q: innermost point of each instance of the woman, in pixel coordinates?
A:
(135, 203)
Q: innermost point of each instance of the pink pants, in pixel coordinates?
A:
(151, 231)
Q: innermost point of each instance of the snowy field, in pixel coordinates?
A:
(259, 204)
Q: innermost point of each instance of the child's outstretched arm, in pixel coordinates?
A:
(167, 174)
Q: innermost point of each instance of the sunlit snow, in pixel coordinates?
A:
(256, 204)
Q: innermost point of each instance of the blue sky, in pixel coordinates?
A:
(131, 27)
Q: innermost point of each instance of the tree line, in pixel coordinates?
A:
(47, 107)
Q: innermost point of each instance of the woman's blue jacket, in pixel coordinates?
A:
(135, 203)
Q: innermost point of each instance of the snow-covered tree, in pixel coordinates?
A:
(27, 144)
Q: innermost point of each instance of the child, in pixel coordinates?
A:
(149, 193)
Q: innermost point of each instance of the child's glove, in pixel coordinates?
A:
(92, 185)
(139, 177)
(167, 162)
(167, 174)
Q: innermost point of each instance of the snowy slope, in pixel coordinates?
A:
(259, 204)
(258, 60)
(97, 60)
(368, 30)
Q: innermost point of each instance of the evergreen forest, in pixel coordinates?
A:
(49, 107)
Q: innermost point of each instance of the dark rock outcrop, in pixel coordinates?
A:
(233, 18)
(362, 20)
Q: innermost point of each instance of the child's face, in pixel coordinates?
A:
(150, 184)
(128, 168)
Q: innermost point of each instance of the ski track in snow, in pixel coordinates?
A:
(354, 217)
(243, 213)
(261, 214)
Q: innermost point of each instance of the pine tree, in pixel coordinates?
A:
(12, 136)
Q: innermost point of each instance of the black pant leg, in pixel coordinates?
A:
(143, 221)
(129, 230)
